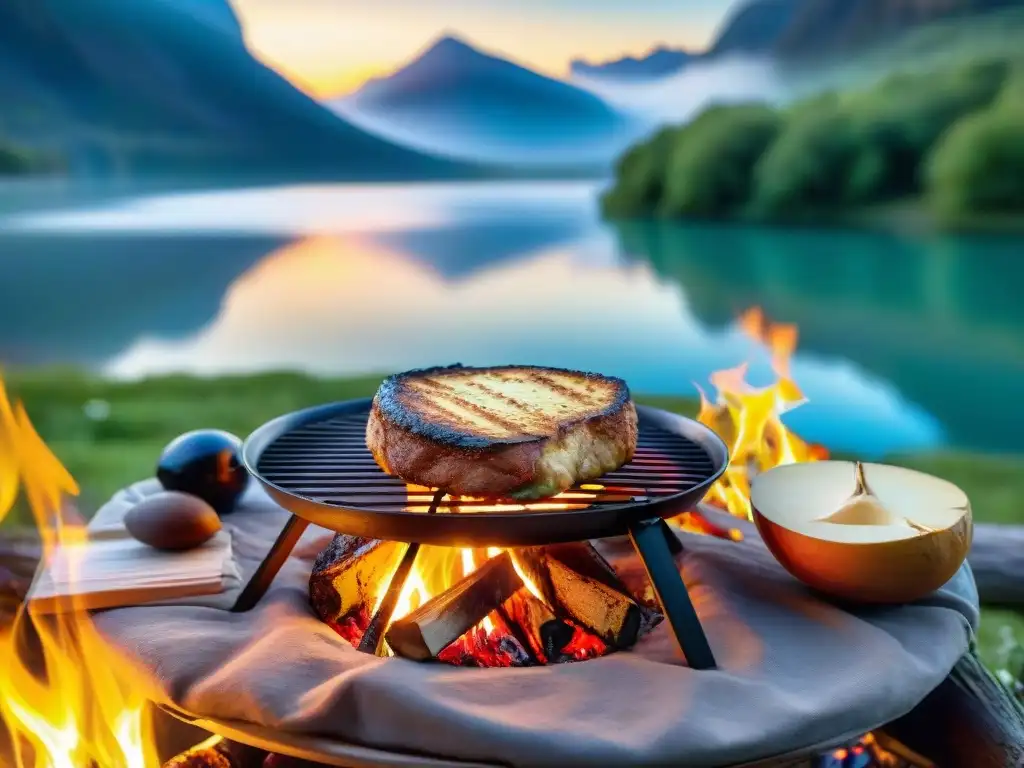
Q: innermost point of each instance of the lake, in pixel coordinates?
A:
(906, 342)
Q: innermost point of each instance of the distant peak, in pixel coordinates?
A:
(449, 50)
(451, 41)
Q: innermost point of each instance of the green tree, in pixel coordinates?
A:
(898, 121)
(1013, 88)
(640, 177)
(710, 169)
(805, 169)
(978, 167)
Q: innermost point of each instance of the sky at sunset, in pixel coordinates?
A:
(331, 47)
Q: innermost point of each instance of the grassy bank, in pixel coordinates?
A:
(106, 454)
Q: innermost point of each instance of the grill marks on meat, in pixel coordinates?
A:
(506, 403)
(521, 432)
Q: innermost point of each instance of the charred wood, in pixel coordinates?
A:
(578, 584)
(536, 626)
(346, 578)
(217, 752)
(436, 624)
(480, 648)
(970, 721)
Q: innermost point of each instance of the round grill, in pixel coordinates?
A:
(315, 463)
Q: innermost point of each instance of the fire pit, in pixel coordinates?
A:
(554, 597)
(800, 681)
(795, 675)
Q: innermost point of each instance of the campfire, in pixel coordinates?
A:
(471, 607)
(65, 704)
(551, 604)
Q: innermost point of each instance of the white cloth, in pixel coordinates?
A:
(795, 672)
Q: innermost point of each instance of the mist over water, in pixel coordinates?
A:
(680, 97)
(645, 106)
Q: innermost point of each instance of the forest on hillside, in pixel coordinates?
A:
(953, 139)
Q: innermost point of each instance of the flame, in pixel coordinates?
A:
(437, 569)
(81, 711)
(749, 419)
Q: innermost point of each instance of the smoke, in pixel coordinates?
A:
(680, 97)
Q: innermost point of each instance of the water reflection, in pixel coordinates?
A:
(935, 316)
(336, 305)
(904, 342)
(82, 299)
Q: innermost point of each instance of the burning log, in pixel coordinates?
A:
(440, 621)
(217, 752)
(970, 721)
(491, 644)
(537, 627)
(373, 639)
(283, 761)
(577, 583)
(345, 579)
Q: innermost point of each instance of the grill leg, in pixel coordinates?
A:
(651, 540)
(675, 546)
(279, 552)
(373, 638)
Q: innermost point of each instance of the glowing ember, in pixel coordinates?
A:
(82, 712)
(749, 419)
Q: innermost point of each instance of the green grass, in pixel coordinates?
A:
(144, 416)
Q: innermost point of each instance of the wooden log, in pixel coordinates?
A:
(970, 721)
(997, 561)
(482, 648)
(283, 761)
(346, 577)
(373, 639)
(432, 627)
(537, 627)
(577, 583)
(217, 752)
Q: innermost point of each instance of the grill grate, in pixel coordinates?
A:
(327, 462)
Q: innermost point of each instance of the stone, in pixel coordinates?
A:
(206, 463)
(172, 521)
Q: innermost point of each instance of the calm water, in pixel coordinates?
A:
(905, 342)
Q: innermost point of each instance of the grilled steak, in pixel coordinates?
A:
(516, 431)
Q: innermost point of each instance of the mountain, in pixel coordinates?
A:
(456, 100)
(168, 86)
(658, 63)
(801, 29)
(830, 27)
(755, 28)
